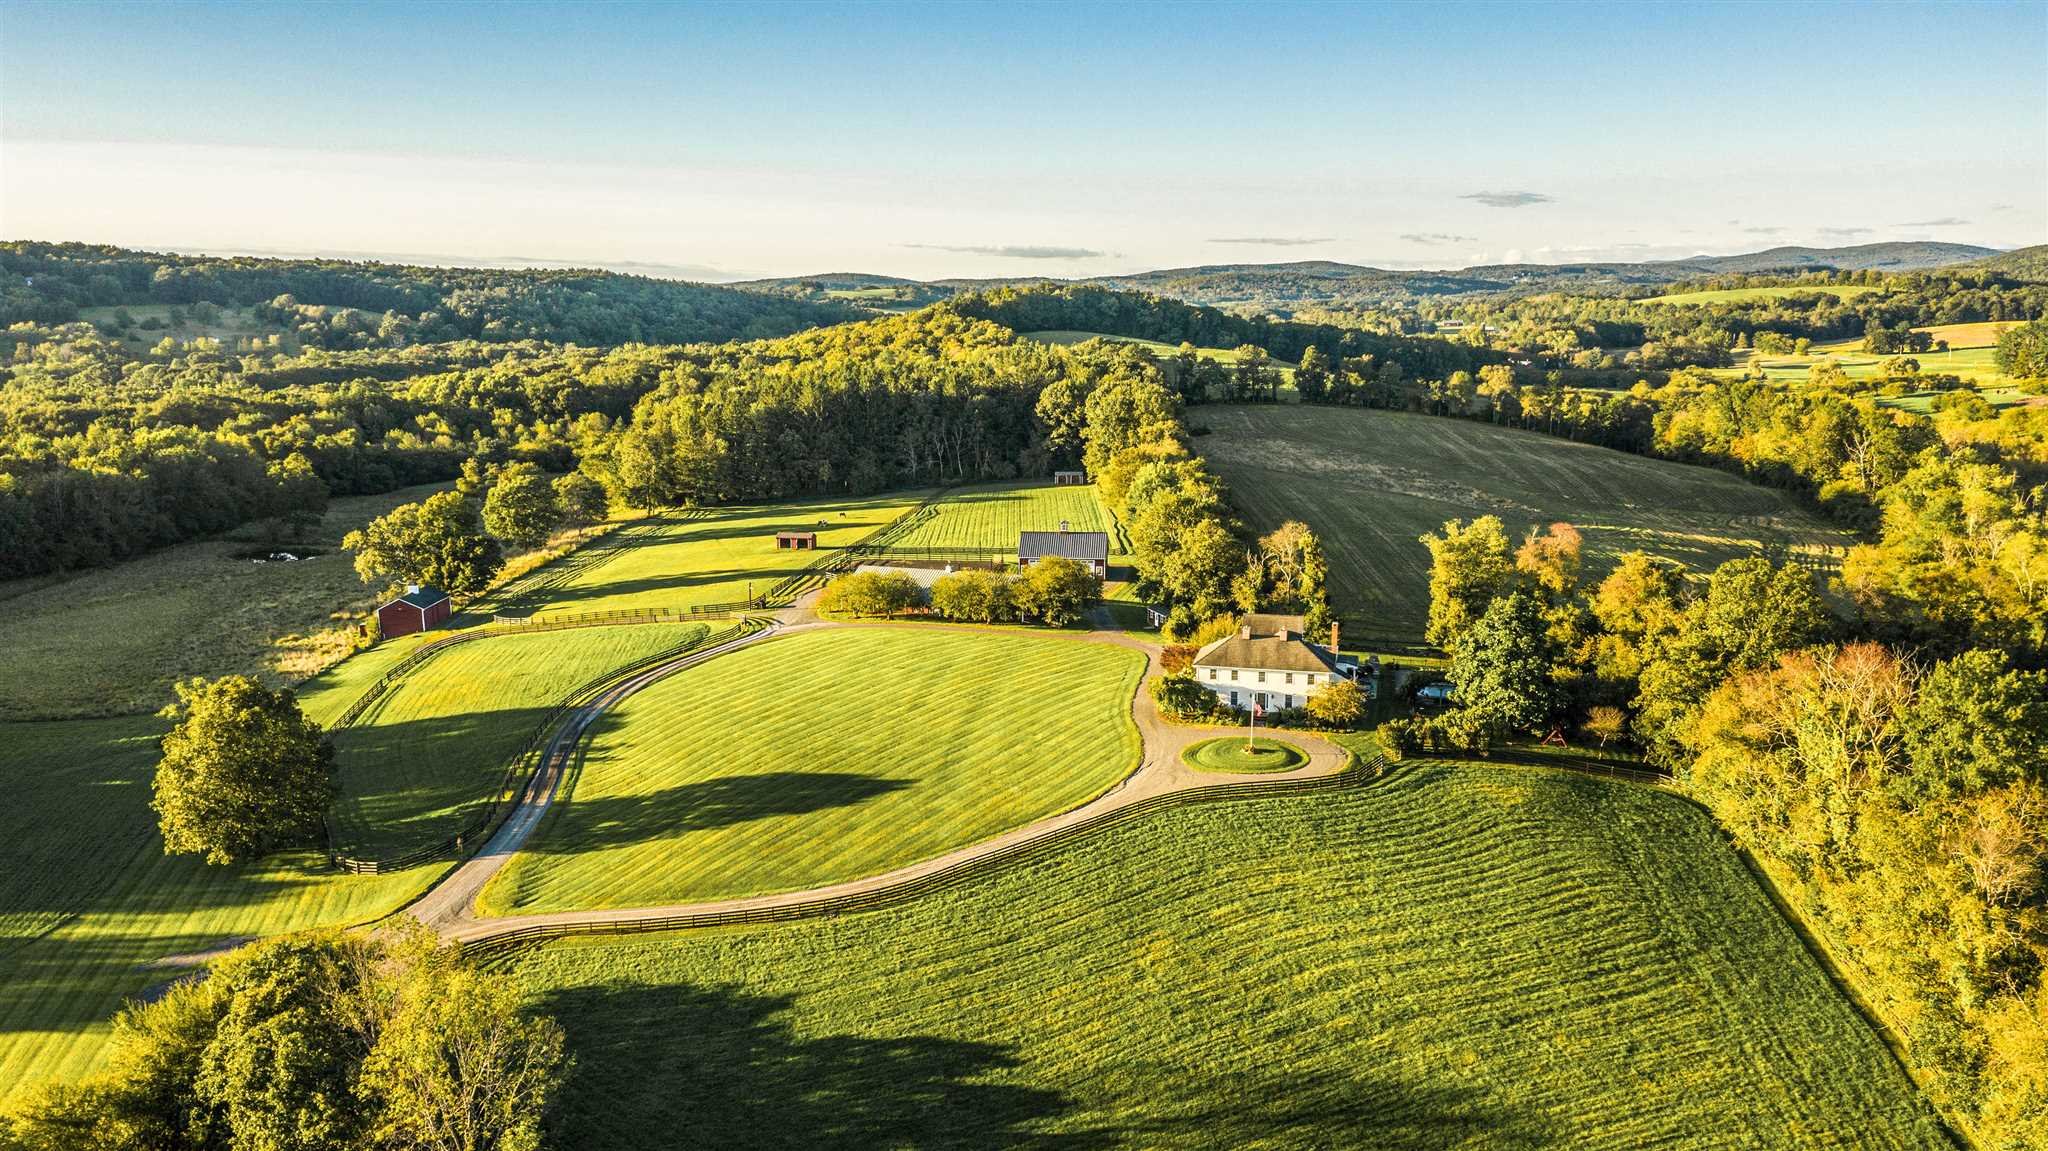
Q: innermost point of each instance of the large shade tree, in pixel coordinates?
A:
(243, 772)
(438, 541)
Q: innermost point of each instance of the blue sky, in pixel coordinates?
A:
(978, 139)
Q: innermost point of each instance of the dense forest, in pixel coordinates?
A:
(1094, 309)
(387, 305)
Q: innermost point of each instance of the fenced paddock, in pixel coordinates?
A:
(439, 800)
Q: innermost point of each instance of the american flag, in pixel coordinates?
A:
(1258, 710)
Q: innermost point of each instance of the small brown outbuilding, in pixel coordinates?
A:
(797, 541)
(417, 610)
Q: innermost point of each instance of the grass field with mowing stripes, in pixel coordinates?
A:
(827, 756)
(88, 899)
(1458, 956)
(706, 556)
(1372, 482)
(991, 517)
(433, 749)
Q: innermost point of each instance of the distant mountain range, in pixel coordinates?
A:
(1281, 288)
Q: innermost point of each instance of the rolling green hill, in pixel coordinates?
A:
(1457, 957)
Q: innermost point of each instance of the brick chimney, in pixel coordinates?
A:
(1244, 631)
(1333, 637)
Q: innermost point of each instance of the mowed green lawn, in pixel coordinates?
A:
(827, 756)
(1738, 295)
(1372, 482)
(433, 750)
(88, 900)
(991, 516)
(112, 640)
(713, 555)
(1976, 364)
(1458, 956)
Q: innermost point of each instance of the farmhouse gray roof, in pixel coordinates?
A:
(1266, 653)
(423, 599)
(1274, 624)
(1072, 545)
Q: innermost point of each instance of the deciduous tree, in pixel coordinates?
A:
(438, 541)
(243, 772)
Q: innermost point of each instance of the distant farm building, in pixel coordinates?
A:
(1091, 548)
(418, 609)
(1268, 661)
(1063, 478)
(798, 541)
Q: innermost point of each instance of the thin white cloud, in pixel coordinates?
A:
(1942, 222)
(1508, 199)
(1843, 232)
(1762, 231)
(1017, 251)
(1437, 238)
(1273, 241)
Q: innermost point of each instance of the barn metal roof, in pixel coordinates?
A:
(1072, 545)
(423, 599)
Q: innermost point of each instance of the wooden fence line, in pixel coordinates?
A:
(968, 870)
(479, 829)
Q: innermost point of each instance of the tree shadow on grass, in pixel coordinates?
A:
(1278, 1108)
(408, 784)
(699, 1067)
(617, 821)
(711, 1067)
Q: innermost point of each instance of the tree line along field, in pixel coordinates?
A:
(1740, 295)
(681, 559)
(1971, 355)
(109, 641)
(990, 516)
(1372, 482)
(1454, 956)
(827, 756)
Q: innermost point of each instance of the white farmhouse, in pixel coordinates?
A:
(1268, 661)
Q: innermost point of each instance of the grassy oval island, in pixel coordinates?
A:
(827, 756)
(1228, 754)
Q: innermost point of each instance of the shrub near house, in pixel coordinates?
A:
(1054, 591)
(870, 594)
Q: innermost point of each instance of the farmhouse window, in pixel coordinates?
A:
(1233, 675)
(1262, 677)
(1290, 677)
(1290, 701)
(1233, 699)
(1212, 673)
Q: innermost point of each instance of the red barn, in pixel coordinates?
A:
(417, 610)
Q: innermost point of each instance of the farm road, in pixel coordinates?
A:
(448, 907)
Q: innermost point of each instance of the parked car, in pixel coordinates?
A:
(1433, 693)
